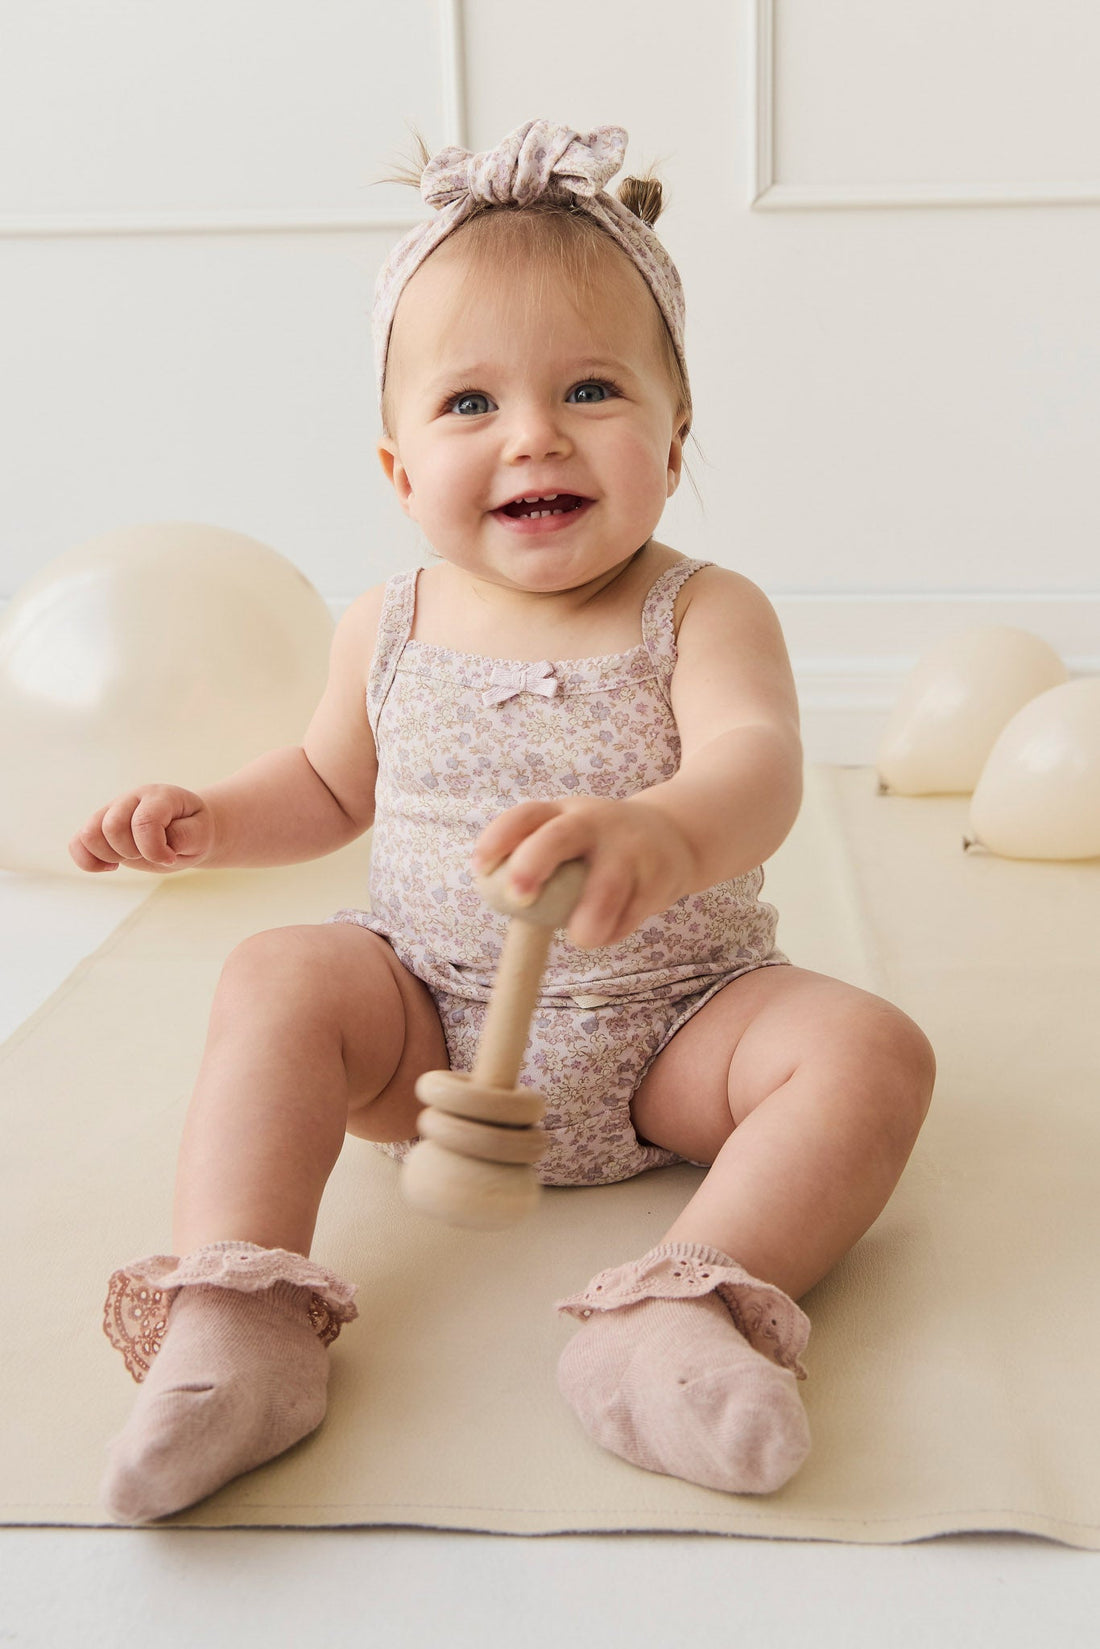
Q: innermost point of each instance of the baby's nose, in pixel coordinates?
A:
(535, 433)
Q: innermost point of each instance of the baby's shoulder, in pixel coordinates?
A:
(356, 633)
(366, 610)
(719, 597)
(363, 615)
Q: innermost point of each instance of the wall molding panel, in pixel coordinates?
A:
(283, 221)
(768, 195)
(280, 221)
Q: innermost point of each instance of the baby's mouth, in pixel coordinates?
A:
(557, 503)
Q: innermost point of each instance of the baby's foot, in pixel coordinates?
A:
(239, 1378)
(672, 1385)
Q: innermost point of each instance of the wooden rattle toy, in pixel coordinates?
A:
(480, 1135)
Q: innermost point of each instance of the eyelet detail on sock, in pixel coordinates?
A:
(135, 1313)
(771, 1322)
(324, 1322)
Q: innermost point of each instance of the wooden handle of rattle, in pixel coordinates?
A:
(480, 1133)
(519, 972)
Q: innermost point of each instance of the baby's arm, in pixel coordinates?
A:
(307, 800)
(728, 807)
(739, 785)
(291, 804)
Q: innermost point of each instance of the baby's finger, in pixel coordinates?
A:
(115, 830)
(149, 828)
(187, 837)
(600, 914)
(499, 840)
(564, 836)
(85, 859)
(94, 840)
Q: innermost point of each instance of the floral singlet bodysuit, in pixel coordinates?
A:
(461, 738)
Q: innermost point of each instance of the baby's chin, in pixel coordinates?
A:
(542, 573)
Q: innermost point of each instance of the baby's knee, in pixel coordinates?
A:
(902, 1063)
(271, 966)
(918, 1060)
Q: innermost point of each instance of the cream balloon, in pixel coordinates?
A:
(955, 702)
(1038, 796)
(164, 653)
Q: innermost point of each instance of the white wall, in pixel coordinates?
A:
(886, 217)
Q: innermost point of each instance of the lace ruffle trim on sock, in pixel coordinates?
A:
(769, 1319)
(140, 1295)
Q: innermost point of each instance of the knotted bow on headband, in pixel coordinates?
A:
(539, 160)
(507, 682)
(534, 160)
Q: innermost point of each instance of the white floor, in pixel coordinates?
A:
(99, 1589)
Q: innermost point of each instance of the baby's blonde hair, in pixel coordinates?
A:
(556, 233)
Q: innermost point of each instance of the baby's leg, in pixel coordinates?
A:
(313, 1031)
(806, 1096)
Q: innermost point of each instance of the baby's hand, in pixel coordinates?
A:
(639, 863)
(158, 828)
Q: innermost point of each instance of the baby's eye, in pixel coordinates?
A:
(591, 392)
(469, 403)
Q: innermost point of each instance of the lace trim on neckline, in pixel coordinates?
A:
(563, 666)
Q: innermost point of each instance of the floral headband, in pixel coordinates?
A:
(539, 160)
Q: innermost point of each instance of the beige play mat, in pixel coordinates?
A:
(953, 1361)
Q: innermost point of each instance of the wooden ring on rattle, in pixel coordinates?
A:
(479, 1132)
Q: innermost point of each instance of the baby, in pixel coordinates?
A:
(557, 685)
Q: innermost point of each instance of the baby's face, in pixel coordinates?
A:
(501, 393)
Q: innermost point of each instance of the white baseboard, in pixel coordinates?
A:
(851, 651)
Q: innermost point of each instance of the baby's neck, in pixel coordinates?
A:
(469, 615)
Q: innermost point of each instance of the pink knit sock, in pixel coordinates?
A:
(236, 1355)
(687, 1365)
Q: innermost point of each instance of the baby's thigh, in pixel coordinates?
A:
(341, 986)
(751, 1038)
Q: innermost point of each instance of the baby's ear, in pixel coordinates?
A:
(675, 463)
(395, 471)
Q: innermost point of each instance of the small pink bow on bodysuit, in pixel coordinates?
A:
(506, 682)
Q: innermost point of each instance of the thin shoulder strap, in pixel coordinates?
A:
(658, 629)
(394, 624)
